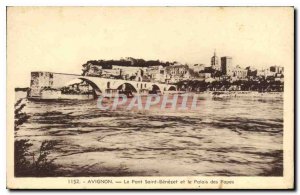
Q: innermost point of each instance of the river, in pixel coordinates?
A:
(228, 137)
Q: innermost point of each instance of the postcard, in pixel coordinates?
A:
(150, 97)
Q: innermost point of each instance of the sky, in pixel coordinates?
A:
(61, 39)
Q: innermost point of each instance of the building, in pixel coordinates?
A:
(279, 77)
(226, 65)
(177, 73)
(177, 69)
(215, 62)
(197, 67)
(111, 73)
(251, 71)
(156, 73)
(126, 71)
(265, 73)
(204, 75)
(239, 73)
(277, 69)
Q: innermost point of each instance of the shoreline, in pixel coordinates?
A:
(211, 94)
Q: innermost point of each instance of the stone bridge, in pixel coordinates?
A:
(50, 80)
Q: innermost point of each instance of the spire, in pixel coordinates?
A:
(215, 52)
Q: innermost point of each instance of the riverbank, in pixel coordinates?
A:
(252, 94)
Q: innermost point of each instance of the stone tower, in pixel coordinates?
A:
(215, 62)
(226, 65)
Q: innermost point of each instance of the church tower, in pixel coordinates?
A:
(215, 62)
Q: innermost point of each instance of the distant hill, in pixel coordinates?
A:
(107, 64)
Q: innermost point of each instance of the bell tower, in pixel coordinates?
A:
(215, 61)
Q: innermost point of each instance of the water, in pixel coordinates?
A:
(229, 137)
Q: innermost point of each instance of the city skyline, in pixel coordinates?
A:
(50, 39)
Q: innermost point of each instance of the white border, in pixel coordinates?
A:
(149, 3)
(4, 3)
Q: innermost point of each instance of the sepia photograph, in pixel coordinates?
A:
(150, 97)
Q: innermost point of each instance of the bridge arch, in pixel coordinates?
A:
(156, 88)
(172, 88)
(97, 89)
(127, 87)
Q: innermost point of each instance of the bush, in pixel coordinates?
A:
(20, 117)
(25, 163)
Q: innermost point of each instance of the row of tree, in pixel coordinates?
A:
(107, 64)
(225, 85)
